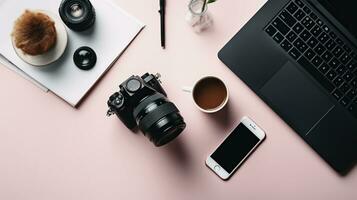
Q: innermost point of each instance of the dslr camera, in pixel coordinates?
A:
(142, 102)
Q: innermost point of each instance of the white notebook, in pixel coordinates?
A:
(113, 31)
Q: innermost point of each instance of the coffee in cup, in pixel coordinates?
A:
(210, 94)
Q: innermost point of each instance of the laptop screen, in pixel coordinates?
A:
(345, 11)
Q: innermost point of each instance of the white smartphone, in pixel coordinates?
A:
(235, 148)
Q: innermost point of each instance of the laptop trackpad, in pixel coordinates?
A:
(296, 99)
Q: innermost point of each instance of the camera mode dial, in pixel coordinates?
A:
(116, 100)
(133, 85)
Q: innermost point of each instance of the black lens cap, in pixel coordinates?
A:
(84, 58)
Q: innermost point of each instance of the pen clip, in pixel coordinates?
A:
(161, 6)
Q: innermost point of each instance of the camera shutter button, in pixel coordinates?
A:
(133, 85)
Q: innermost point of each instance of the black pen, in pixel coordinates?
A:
(162, 21)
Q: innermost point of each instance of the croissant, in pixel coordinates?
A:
(34, 33)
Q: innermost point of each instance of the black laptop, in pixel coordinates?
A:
(299, 56)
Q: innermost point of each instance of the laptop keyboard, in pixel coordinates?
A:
(318, 49)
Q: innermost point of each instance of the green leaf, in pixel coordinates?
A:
(211, 1)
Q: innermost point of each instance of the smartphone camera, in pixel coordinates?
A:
(78, 15)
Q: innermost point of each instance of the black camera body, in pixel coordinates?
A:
(142, 102)
(131, 92)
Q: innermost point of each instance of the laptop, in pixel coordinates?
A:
(299, 56)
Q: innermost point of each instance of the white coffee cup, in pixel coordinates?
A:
(210, 94)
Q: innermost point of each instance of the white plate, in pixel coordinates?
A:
(54, 53)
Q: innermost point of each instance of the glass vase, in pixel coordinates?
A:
(198, 16)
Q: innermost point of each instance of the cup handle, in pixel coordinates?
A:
(187, 89)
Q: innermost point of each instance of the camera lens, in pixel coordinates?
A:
(84, 58)
(78, 15)
(159, 119)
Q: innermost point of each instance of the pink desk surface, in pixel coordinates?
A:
(50, 151)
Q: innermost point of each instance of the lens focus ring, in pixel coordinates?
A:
(146, 102)
(156, 115)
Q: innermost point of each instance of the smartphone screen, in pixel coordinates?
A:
(235, 147)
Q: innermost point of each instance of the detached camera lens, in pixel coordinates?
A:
(78, 15)
(84, 58)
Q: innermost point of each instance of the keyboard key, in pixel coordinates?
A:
(312, 42)
(341, 69)
(292, 7)
(278, 37)
(333, 35)
(280, 25)
(298, 28)
(351, 94)
(352, 65)
(337, 51)
(305, 35)
(338, 81)
(324, 68)
(310, 54)
(299, 44)
(348, 76)
(313, 16)
(339, 41)
(345, 87)
(316, 74)
(326, 28)
(317, 61)
(270, 30)
(337, 94)
(316, 31)
(345, 58)
(347, 48)
(330, 45)
(294, 53)
(287, 18)
(353, 55)
(353, 109)
(319, 22)
(331, 75)
(307, 10)
(299, 3)
(286, 45)
(320, 49)
(327, 56)
(308, 22)
(334, 63)
(354, 83)
(299, 15)
(323, 38)
(291, 36)
(345, 101)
